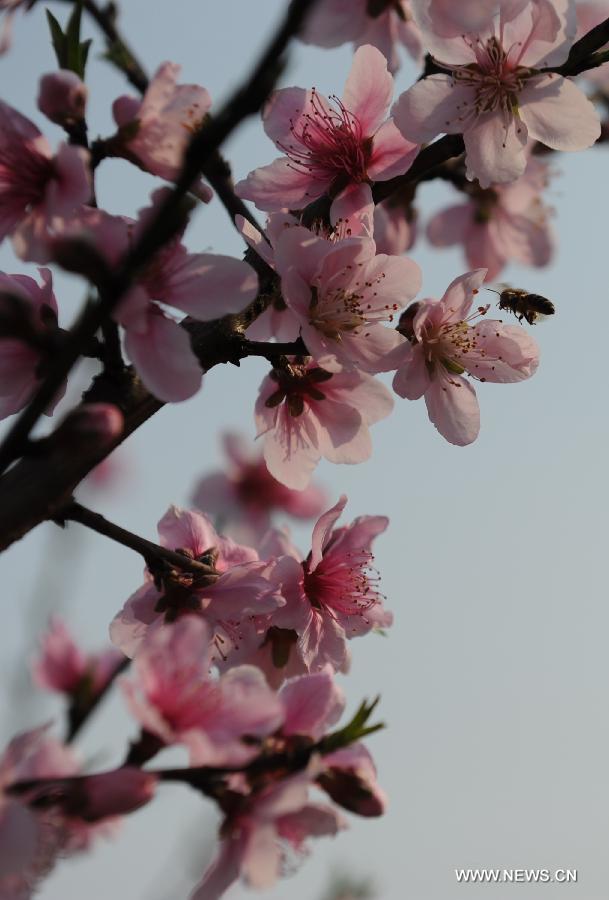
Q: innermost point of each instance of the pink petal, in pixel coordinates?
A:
(370, 349)
(392, 154)
(207, 286)
(484, 248)
(291, 449)
(507, 353)
(287, 110)
(412, 378)
(279, 185)
(525, 240)
(262, 857)
(369, 89)
(495, 152)
(343, 435)
(303, 252)
(459, 295)
(164, 359)
(431, 107)
(323, 529)
(352, 212)
(558, 114)
(333, 23)
(187, 530)
(453, 408)
(223, 871)
(255, 240)
(450, 225)
(368, 395)
(312, 704)
(313, 820)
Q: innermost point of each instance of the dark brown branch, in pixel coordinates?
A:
(152, 553)
(583, 52)
(39, 485)
(113, 284)
(80, 711)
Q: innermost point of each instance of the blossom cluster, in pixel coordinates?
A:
(235, 638)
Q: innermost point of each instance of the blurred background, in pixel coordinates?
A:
(495, 676)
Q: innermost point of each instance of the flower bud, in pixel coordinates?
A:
(62, 97)
(114, 793)
(352, 792)
(102, 422)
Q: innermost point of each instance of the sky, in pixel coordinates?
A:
(495, 677)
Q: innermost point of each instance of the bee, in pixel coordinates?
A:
(523, 304)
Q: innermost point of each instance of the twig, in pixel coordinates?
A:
(151, 552)
(79, 713)
(119, 52)
(113, 284)
(583, 52)
(38, 486)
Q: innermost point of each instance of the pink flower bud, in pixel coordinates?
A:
(114, 793)
(62, 97)
(100, 421)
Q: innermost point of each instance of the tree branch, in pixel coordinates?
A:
(583, 52)
(153, 554)
(114, 284)
(41, 483)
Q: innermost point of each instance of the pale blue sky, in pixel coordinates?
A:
(495, 677)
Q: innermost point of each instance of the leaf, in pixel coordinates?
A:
(57, 38)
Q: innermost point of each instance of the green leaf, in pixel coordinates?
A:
(71, 53)
(57, 38)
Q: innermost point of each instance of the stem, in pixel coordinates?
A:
(582, 54)
(151, 552)
(78, 715)
(123, 56)
(112, 355)
(113, 285)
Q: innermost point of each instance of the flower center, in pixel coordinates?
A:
(496, 79)
(328, 142)
(344, 583)
(347, 309)
(295, 382)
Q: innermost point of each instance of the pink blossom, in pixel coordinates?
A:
(349, 777)
(37, 190)
(500, 224)
(444, 346)
(342, 294)
(331, 596)
(330, 144)
(352, 215)
(248, 493)
(9, 8)
(174, 697)
(30, 840)
(447, 18)
(92, 798)
(311, 704)
(155, 132)
(228, 598)
(494, 93)
(203, 285)
(305, 412)
(62, 97)
(257, 829)
(62, 666)
(383, 23)
(23, 362)
(395, 228)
